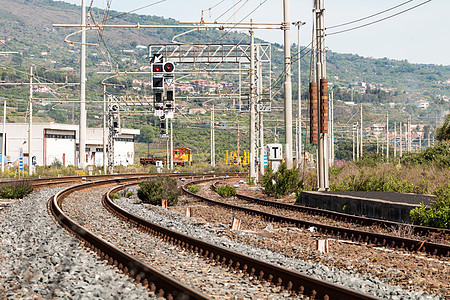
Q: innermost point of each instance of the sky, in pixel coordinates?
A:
(421, 35)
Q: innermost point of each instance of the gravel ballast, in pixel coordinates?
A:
(208, 232)
(41, 260)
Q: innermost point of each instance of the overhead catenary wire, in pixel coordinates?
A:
(136, 9)
(368, 17)
(380, 20)
(236, 24)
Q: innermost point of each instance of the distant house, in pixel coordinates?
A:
(377, 129)
(198, 110)
(422, 104)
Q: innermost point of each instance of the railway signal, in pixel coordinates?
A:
(163, 87)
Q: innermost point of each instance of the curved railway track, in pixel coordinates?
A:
(230, 260)
(355, 235)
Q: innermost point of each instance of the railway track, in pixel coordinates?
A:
(384, 240)
(283, 279)
(337, 216)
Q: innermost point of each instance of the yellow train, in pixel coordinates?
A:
(181, 157)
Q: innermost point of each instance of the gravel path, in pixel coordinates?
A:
(218, 233)
(41, 260)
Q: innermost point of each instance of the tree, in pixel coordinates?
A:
(443, 132)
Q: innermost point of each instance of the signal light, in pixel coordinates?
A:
(158, 97)
(169, 96)
(169, 67)
(158, 82)
(157, 68)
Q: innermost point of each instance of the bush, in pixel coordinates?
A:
(193, 189)
(15, 190)
(438, 215)
(438, 155)
(282, 182)
(226, 191)
(155, 190)
(114, 196)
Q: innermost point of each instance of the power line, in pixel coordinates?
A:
(377, 21)
(260, 4)
(131, 11)
(368, 17)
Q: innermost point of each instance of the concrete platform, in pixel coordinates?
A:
(380, 205)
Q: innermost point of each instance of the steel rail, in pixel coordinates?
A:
(338, 216)
(378, 239)
(293, 281)
(150, 277)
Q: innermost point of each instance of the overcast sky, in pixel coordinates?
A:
(421, 35)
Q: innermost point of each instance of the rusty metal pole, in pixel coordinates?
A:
(323, 157)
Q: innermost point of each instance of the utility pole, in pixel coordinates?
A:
(420, 141)
(395, 139)
(409, 135)
(82, 133)
(332, 128)
(378, 150)
(105, 132)
(252, 154)
(322, 84)
(30, 125)
(353, 142)
(287, 86)
(261, 118)
(387, 136)
(169, 158)
(171, 144)
(299, 132)
(238, 141)
(213, 150)
(401, 139)
(362, 128)
(4, 137)
(357, 141)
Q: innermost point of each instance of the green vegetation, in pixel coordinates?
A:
(443, 132)
(193, 188)
(113, 196)
(438, 155)
(424, 172)
(285, 181)
(155, 190)
(15, 190)
(226, 191)
(282, 182)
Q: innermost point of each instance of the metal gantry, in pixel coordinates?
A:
(258, 57)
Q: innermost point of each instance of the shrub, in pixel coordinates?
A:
(226, 191)
(15, 190)
(251, 181)
(438, 155)
(193, 189)
(438, 215)
(114, 196)
(126, 193)
(282, 182)
(155, 190)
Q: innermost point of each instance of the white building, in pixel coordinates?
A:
(422, 104)
(52, 142)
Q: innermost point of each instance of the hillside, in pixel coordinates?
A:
(26, 27)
